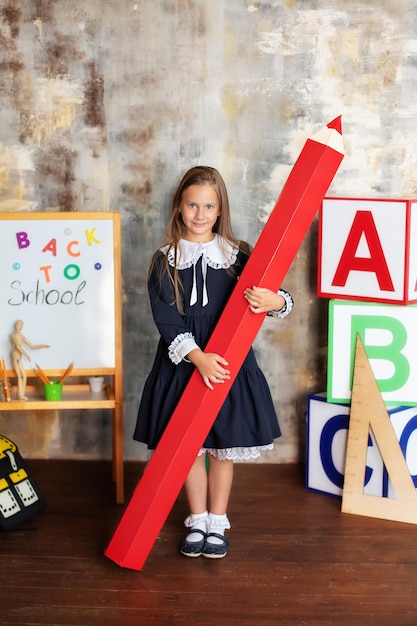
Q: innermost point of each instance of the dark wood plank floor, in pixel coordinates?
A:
(294, 559)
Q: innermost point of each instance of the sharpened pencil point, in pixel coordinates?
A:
(336, 124)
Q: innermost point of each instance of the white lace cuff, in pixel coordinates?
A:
(286, 309)
(181, 346)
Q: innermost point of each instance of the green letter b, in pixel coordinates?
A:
(390, 352)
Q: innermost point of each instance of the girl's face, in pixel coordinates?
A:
(199, 209)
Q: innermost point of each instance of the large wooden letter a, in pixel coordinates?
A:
(368, 411)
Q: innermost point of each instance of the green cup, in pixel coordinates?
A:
(53, 391)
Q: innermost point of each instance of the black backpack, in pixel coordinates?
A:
(20, 497)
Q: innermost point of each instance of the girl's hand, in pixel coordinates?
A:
(262, 300)
(210, 366)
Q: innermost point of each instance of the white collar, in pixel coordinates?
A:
(217, 254)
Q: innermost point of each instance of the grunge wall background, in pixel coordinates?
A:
(104, 104)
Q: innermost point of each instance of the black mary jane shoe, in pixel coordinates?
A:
(193, 548)
(215, 550)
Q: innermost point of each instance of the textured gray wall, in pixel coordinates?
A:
(104, 104)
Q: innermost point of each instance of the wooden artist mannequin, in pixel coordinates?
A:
(18, 340)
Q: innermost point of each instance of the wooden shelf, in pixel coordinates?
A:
(73, 397)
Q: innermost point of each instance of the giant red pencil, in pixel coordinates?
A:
(233, 336)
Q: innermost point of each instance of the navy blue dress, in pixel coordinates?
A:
(247, 417)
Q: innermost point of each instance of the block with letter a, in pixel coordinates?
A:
(368, 250)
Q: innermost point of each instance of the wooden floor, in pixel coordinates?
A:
(294, 559)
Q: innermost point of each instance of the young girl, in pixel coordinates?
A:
(190, 280)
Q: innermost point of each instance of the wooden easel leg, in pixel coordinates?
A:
(117, 455)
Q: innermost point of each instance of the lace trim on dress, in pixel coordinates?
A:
(237, 454)
(172, 348)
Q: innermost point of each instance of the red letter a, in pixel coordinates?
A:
(363, 224)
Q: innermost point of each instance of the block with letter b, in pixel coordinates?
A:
(389, 335)
(368, 250)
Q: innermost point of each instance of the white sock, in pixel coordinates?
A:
(199, 521)
(217, 524)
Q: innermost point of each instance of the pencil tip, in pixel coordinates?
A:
(336, 124)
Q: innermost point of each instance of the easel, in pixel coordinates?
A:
(78, 395)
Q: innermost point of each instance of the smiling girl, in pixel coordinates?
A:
(191, 278)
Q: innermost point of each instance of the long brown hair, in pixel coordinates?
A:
(175, 229)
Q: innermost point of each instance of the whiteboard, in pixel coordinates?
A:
(58, 277)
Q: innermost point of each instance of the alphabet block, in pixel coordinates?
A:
(327, 432)
(368, 250)
(389, 336)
